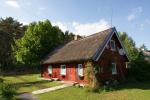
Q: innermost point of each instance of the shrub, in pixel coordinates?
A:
(140, 70)
(1, 80)
(7, 91)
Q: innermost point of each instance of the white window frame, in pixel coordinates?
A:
(63, 70)
(127, 64)
(113, 49)
(49, 69)
(80, 70)
(114, 69)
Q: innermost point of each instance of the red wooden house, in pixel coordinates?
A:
(103, 48)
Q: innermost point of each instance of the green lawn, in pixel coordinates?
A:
(31, 82)
(28, 83)
(130, 91)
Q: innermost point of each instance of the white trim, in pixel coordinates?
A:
(122, 44)
(114, 32)
(127, 65)
(113, 49)
(104, 47)
(114, 71)
(80, 70)
(62, 71)
(49, 69)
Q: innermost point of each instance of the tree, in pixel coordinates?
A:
(68, 36)
(39, 40)
(129, 45)
(5, 50)
(10, 30)
(143, 47)
(12, 27)
(139, 67)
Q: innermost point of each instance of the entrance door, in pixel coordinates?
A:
(71, 73)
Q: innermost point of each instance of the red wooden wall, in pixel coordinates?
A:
(71, 72)
(105, 61)
(110, 56)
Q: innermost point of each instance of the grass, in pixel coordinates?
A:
(28, 83)
(31, 82)
(129, 91)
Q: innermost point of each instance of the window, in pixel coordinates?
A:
(80, 70)
(114, 69)
(127, 65)
(112, 45)
(100, 69)
(63, 70)
(50, 69)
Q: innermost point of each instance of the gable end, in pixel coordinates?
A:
(105, 43)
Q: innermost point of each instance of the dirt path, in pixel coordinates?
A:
(26, 96)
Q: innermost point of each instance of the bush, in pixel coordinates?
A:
(140, 70)
(7, 91)
(1, 80)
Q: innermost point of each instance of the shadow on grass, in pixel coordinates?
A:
(134, 85)
(38, 84)
(19, 73)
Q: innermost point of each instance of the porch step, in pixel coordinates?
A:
(51, 89)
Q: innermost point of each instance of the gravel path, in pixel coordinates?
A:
(26, 96)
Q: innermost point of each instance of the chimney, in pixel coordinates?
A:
(75, 37)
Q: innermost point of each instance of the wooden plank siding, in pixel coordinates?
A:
(71, 72)
(107, 57)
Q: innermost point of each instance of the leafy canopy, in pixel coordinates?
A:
(39, 39)
(10, 30)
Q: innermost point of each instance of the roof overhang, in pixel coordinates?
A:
(103, 46)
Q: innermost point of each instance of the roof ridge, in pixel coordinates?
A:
(90, 36)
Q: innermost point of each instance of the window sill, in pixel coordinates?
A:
(113, 49)
(63, 74)
(114, 73)
(80, 75)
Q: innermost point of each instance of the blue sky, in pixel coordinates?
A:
(85, 17)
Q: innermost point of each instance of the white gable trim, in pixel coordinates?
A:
(121, 44)
(114, 32)
(104, 47)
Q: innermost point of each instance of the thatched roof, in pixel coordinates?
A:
(78, 50)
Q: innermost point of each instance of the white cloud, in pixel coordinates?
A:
(135, 13)
(25, 23)
(40, 10)
(83, 29)
(131, 17)
(61, 25)
(141, 26)
(12, 3)
(90, 28)
(28, 3)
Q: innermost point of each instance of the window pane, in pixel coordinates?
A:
(63, 69)
(114, 70)
(50, 69)
(80, 70)
(112, 44)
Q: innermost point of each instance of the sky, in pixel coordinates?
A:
(85, 17)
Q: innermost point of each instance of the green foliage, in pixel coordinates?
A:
(7, 91)
(92, 76)
(130, 46)
(10, 30)
(139, 67)
(140, 70)
(39, 39)
(1, 80)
